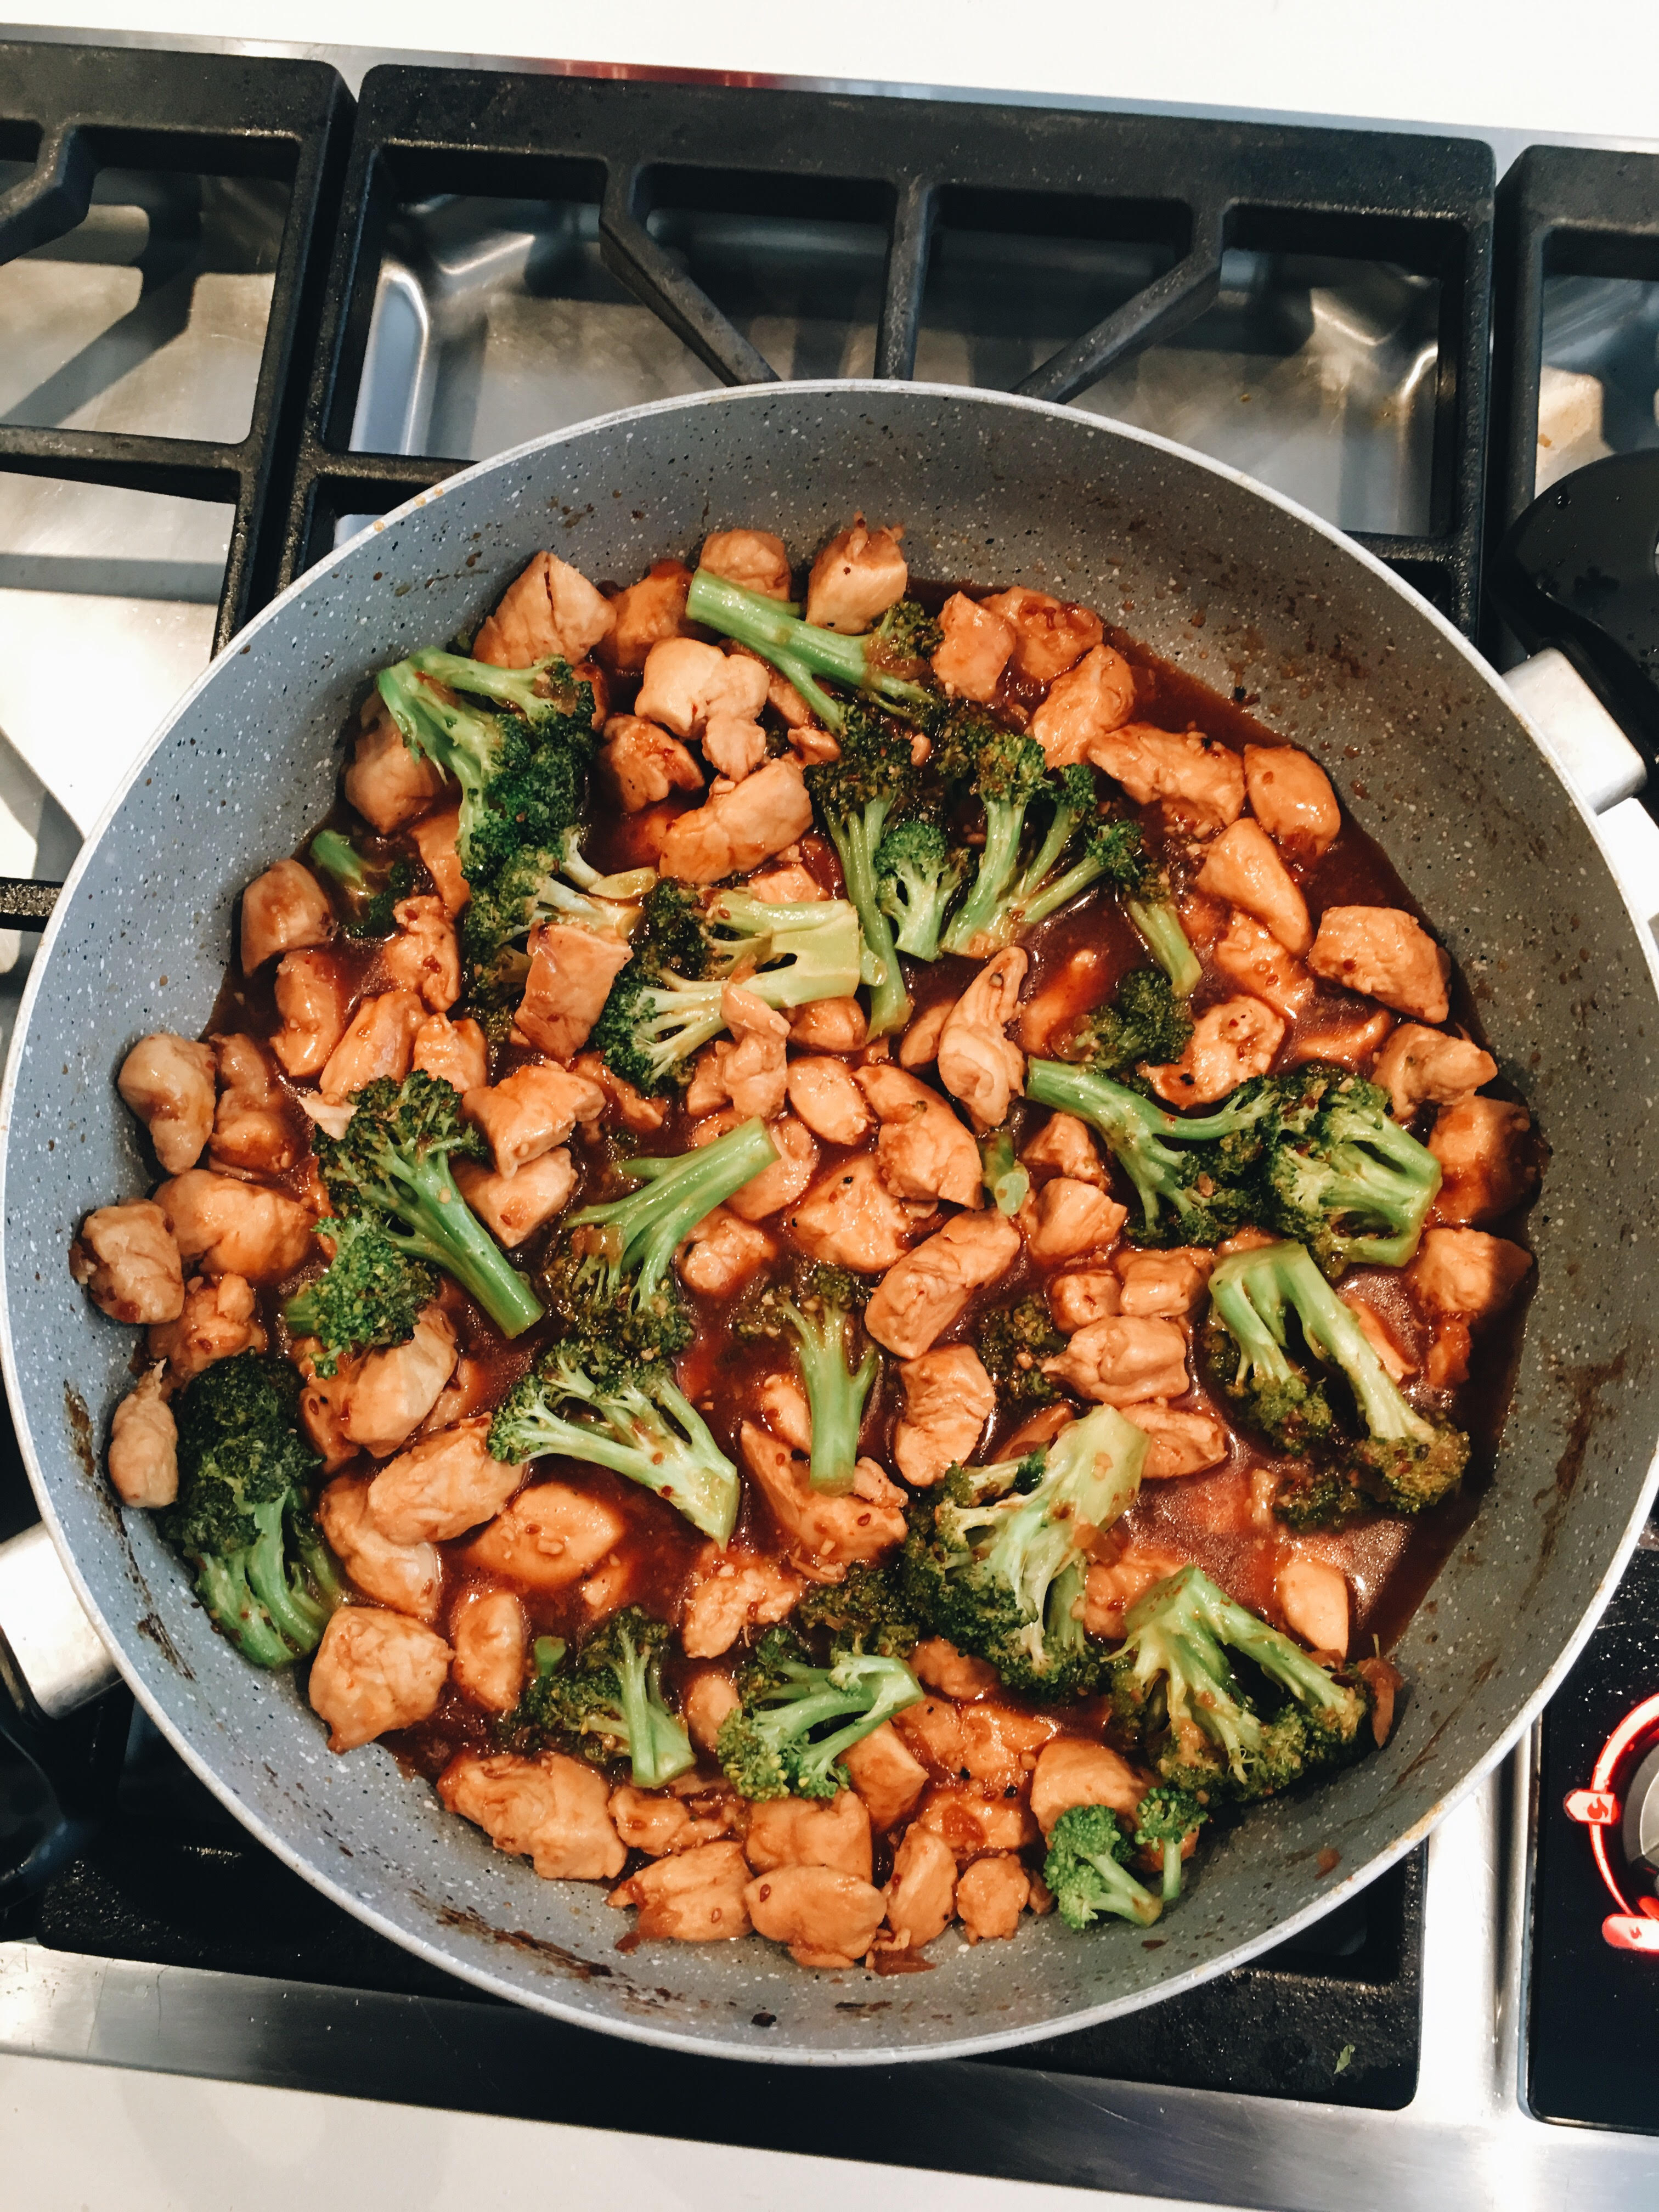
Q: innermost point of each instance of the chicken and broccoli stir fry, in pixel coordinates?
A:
(834, 1255)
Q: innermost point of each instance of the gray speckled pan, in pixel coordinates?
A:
(1227, 581)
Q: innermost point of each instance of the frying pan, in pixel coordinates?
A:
(1228, 581)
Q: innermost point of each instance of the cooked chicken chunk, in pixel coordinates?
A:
(512, 1207)
(168, 1083)
(751, 1063)
(807, 1832)
(375, 1671)
(1251, 958)
(733, 745)
(392, 1392)
(1073, 1218)
(859, 574)
(780, 1184)
(991, 1895)
(1199, 780)
(1387, 955)
(1120, 1361)
(646, 762)
(1243, 868)
(532, 1112)
(1110, 1590)
(999, 1744)
(734, 1593)
(1067, 1146)
(143, 1446)
(1291, 797)
(1050, 635)
(886, 1776)
(313, 997)
(441, 1486)
(933, 1729)
(386, 783)
(1071, 1772)
(1229, 1044)
(232, 1228)
(407, 1578)
(219, 1320)
(920, 1296)
(550, 612)
(825, 1532)
(455, 1053)
(284, 910)
(551, 1810)
(1073, 986)
(489, 1636)
(548, 1537)
(633, 1109)
(1487, 1161)
(424, 956)
(323, 1404)
(971, 1822)
(978, 646)
(921, 1890)
(436, 839)
(721, 1252)
(378, 1041)
(918, 1046)
(707, 1699)
(826, 1918)
(829, 1025)
(1420, 1066)
(645, 614)
(571, 972)
(251, 1129)
(696, 1897)
(825, 1097)
(923, 1150)
(1177, 1443)
(661, 1821)
(977, 1063)
(686, 683)
(126, 1260)
(948, 1399)
(1313, 1598)
(1084, 706)
(754, 560)
(1351, 1040)
(1089, 1295)
(1170, 1284)
(953, 1675)
(1466, 1274)
(789, 883)
(734, 830)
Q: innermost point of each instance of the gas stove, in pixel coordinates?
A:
(252, 310)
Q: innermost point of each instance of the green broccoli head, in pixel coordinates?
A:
(867, 1611)
(1345, 1179)
(775, 1744)
(1014, 1341)
(918, 875)
(1087, 1869)
(1164, 1817)
(1144, 1023)
(905, 639)
(886, 665)
(607, 1703)
(368, 890)
(369, 1296)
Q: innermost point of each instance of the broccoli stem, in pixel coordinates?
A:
(337, 856)
(1132, 1128)
(443, 1230)
(1006, 1179)
(981, 913)
(1158, 926)
(798, 650)
(223, 1586)
(836, 1393)
(855, 839)
(679, 1193)
(296, 1616)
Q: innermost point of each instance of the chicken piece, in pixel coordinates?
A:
(1420, 1066)
(977, 1063)
(1291, 797)
(313, 997)
(1038, 1430)
(387, 783)
(322, 1405)
(232, 1228)
(918, 1046)
(706, 1093)
(1242, 868)
(284, 910)
(661, 1822)
(1252, 959)
(696, 1897)
(722, 1252)
(250, 1130)
(1197, 778)
(782, 1405)
(825, 1532)
(392, 1392)
(789, 883)
(424, 956)
(1050, 635)
(1110, 1592)
(826, 1918)
(645, 614)
(549, 613)
(646, 763)
(437, 841)
(807, 1832)
(1466, 1274)
(551, 1810)
(970, 1822)
(829, 1025)
(455, 1053)
(921, 1893)
(571, 972)
(734, 746)
(754, 560)
(859, 574)
(407, 1578)
(1170, 1284)
(705, 1702)
(1090, 1295)
(375, 1671)
(686, 683)
(991, 1895)
(143, 1446)
(512, 1207)
(933, 1731)
(953, 1675)
(1073, 1218)
(886, 1776)
(128, 1263)
(1387, 955)
(550, 1536)
(1229, 1044)
(218, 1320)
(923, 1150)
(778, 1185)
(1177, 1443)
(1071, 1771)
(441, 1486)
(489, 1636)
(752, 1066)
(733, 1593)
(1066, 1147)
(978, 646)
(167, 1082)
(1000, 1745)
(633, 1109)
(849, 1218)
(824, 1096)
(1084, 706)
(530, 1112)
(1485, 1157)
(924, 1292)
(1313, 1598)
(1353, 1041)
(380, 1042)
(948, 1399)
(734, 830)
(1118, 1362)
(1077, 984)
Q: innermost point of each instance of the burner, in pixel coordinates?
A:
(1622, 1804)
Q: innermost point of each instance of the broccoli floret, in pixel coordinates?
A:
(918, 876)
(1006, 1179)
(855, 796)
(1143, 889)
(823, 1318)
(608, 1702)
(1088, 1871)
(1177, 1697)
(370, 892)
(1403, 1462)
(637, 1421)
(391, 1166)
(659, 1016)
(905, 638)
(1164, 1817)
(768, 1746)
(1013, 1342)
(369, 1296)
(1195, 1174)
(1345, 1179)
(527, 891)
(243, 1515)
(867, 1611)
(1008, 773)
(1049, 879)
(996, 1556)
(610, 1280)
(1145, 1023)
(801, 652)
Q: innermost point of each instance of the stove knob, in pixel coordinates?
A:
(1641, 1826)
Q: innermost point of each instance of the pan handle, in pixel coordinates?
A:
(51, 1657)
